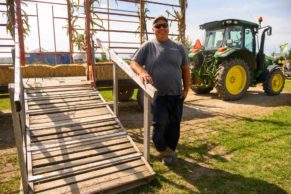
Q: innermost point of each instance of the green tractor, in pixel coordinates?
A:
(229, 61)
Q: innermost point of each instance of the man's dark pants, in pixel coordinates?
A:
(167, 113)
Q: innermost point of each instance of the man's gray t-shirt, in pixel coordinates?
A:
(163, 61)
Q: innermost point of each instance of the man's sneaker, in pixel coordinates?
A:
(168, 156)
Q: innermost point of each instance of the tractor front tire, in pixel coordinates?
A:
(198, 87)
(274, 83)
(232, 79)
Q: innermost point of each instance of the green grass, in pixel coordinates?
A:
(243, 156)
(9, 174)
(107, 95)
(4, 101)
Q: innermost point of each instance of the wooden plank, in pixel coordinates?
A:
(67, 118)
(65, 109)
(76, 133)
(52, 131)
(68, 115)
(38, 98)
(64, 104)
(73, 121)
(41, 147)
(78, 155)
(76, 148)
(73, 99)
(85, 168)
(82, 161)
(66, 84)
(93, 178)
(56, 89)
(87, 90)
(121, 187)
(61, 139)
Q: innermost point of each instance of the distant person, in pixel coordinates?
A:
(164, 63)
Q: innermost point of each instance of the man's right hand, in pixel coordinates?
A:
(146, 78)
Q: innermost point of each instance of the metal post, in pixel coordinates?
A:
(108, 23)
(115, 89)
(54, 31)
(38, 32)
(88, 42)
(146, 126)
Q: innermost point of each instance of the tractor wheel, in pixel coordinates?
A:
(274, 83)
(124, 94)
(232, 79)
(198, 87)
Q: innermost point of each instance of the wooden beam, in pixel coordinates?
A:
(148, 88)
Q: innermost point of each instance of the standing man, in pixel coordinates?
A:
(164, 63)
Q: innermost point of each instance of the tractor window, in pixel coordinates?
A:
(214, 39)
(234, 33)
(249, 39)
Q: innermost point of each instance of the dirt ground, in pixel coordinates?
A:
(198, 111)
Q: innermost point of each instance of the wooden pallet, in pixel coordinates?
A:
(75, 143)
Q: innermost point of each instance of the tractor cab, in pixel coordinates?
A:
(230, 62)
(230, 34)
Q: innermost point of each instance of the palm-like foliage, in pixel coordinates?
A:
(11, 18)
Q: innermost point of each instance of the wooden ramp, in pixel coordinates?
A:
(75, 143)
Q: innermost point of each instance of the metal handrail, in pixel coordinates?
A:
(149, 92)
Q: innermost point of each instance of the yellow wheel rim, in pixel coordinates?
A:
(277, 82)
(236, 80)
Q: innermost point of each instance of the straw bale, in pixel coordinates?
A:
(37, 70)
(6, 74)
(69, 70)
(104, 71)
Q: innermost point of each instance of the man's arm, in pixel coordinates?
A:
(139, 70)
(186, 80)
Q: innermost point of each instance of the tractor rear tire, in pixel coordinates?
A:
(124, 94)
(232, 79)
(274, 83)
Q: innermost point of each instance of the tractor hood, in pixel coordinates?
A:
(227, 22)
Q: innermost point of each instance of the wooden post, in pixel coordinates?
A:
(17, 128)
(146, 126)
(115, 89)
(87, 37)
(71, 43)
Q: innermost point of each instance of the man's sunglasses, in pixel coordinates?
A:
(158, 26)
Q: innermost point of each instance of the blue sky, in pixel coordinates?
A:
(276, 13)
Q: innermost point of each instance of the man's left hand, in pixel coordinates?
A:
(184, 94)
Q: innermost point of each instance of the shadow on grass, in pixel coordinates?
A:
(6, 131)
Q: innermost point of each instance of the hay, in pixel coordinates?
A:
(6, 75)
(104, 71)
(69, 70)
